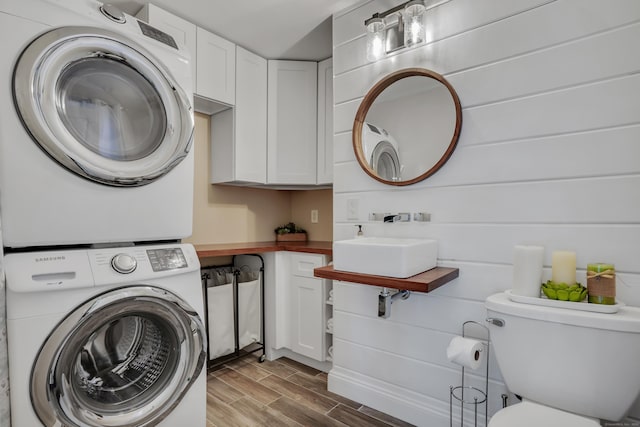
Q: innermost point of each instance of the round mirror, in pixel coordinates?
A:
(407, 126)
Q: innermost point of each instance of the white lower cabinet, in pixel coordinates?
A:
(307, 306)
(307, 315)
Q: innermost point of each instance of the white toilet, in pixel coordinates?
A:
(572, 368)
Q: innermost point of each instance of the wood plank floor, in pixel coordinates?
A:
(245, 393)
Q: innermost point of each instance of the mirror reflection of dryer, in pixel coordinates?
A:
(381, 150)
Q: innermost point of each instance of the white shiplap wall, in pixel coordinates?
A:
(5, 413)
(549, 154)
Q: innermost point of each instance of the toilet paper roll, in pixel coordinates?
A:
(466, 352)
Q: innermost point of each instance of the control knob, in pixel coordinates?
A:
(124, 263)
(112, 12)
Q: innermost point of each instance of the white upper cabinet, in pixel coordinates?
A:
(279, 133)
(251, 117)
(183, 31)
(239, 135)
(216, 68)
(213, 59)
(325, 122)
(291, 122)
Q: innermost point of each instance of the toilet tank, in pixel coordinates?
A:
(578, 361)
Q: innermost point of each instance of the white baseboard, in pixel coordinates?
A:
(273, 354)
(392, 400)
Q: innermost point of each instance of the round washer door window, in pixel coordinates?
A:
(124, 358)
(102, 107)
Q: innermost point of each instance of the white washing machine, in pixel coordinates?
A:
(381, 151)
(96, 127)
(106, 337)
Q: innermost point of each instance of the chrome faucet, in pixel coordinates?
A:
(391, 218)
(399, 217)
(385, 299)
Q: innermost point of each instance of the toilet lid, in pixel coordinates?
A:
(529, 414)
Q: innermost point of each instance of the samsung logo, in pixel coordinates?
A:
(51, 258)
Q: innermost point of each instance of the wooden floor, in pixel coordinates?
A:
(246, 393)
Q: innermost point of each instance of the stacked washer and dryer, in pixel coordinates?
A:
(104, 304)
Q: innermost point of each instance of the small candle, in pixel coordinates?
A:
(563, 267)
(601, 283)
(527, 270)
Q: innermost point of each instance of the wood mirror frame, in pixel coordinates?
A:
(368, 101)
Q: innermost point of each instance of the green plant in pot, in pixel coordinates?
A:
(290, 232)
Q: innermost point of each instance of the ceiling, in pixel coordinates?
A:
(274, 29)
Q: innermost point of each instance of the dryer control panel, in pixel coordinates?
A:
(166, 259)
(86, 268)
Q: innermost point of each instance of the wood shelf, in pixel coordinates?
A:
(226, 249)
(423, 282)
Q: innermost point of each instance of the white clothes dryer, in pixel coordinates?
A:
(381, 151)
(96, 127)
(106, 337)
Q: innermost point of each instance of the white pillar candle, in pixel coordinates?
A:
(527, 270)
(563, 267)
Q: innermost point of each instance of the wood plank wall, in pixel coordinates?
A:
(549, 154)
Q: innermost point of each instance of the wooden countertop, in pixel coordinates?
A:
(226, 249)
(423, 282)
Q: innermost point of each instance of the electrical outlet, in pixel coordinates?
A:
(314, 216)
(352, 209)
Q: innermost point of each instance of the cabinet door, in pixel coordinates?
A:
(325, 122)
(307, 317)
(183, 31)
(307, 306)
(251, 117)
(216, 68)
(239, 134)
(291, 122)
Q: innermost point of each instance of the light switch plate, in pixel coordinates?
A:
(352, 209)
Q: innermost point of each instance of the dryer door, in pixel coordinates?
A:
(385, 161)
(102, 107)
(124, 358)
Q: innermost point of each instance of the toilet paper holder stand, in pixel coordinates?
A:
(469, 395)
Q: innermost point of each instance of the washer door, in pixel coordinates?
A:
(124, 358)
(102, 107)
(385, 161)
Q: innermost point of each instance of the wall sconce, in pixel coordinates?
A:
(386, 34)
(375, 39)
(414, 28)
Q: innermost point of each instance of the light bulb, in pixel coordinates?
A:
(414, 27)
(375, 39)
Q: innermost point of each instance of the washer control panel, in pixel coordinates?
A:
(166, 259)
(124, 263)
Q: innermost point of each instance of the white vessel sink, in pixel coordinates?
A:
(385, 256)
